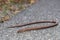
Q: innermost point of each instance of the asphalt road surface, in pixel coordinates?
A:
(42, 10)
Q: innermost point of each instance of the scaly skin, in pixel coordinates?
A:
(35, 28)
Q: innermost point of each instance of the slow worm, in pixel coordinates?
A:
(35, 28)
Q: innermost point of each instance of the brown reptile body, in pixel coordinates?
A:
(35, 28)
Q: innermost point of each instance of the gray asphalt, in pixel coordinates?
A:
(42, 10)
